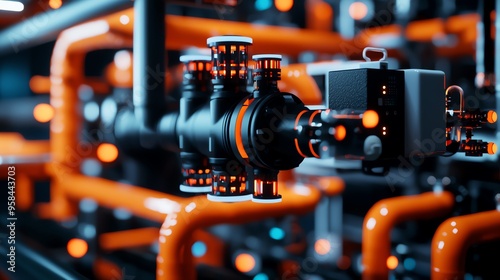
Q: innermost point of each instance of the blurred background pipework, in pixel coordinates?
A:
(249, 139)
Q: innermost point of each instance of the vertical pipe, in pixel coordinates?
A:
(149, 64)
(497, 65)
(485, 46)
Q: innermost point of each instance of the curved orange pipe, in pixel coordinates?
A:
(454, 237)
(66, 75)
(384, 215)
(177, 228)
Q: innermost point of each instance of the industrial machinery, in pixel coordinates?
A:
(255, 140)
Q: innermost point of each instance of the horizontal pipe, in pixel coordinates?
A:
(141, 202)
(454, 237)
(45, 26)
(123, 239)
(384, 215)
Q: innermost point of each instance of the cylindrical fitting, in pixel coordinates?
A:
(230, 61)
(266, 186)
(196, 169)
(266, 74)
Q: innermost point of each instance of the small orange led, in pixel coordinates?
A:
(283, 5)
(322, 246)
(492, 116)
(107, 152)
(244, 262)
(43, 112)
(370, 119)
(384, 87)
(340, 133)
(492, 148)
(77, 247)
(392, 262)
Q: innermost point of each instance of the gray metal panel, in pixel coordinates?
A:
(425, 108)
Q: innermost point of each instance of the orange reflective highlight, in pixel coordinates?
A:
(283, 5)
(107, 152)
(492, 148)
(370, 119)
(322, 246)
(492, 116)
(77, 247)
(244, 262)
(43, 112)
(298, 148)
(358, 10)
(392, 262)
(340, 133)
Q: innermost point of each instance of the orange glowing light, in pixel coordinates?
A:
(43, 112)
(322, 246)
(77, 247)
(358, 10)
(283, 5)
(392, 262)
(55, 4)
(244, 262)
(492, 116)
(370, 119)
(39, 84)
(492, 148)
(340, 133)
(107, 152)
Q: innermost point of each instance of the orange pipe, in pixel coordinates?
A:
(41, 85)
(295, 80)
(184, 32)
(454, 237)
(142, 202)
(199, 212)
(23, 151)
(128, 238)
(66, 75)
(14, 144)
(331, 186)
(384, 215)
(319, 15)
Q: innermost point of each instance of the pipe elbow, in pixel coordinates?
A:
(455, 235)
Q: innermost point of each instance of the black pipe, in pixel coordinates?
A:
(149, 64)
(46, 26)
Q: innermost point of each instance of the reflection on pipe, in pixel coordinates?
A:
(384, 215)
(454, 237)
